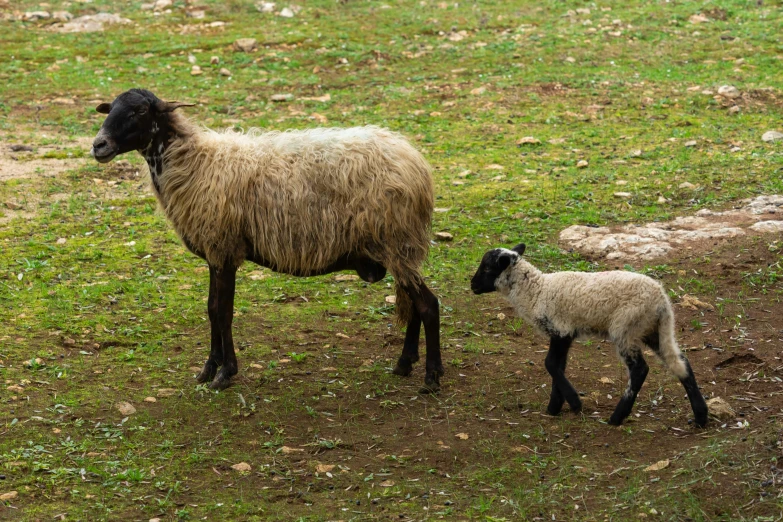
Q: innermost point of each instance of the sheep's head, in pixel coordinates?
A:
(494, 263)
(134, 118)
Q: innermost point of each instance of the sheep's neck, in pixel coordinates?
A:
(523, 291)
(161, 138)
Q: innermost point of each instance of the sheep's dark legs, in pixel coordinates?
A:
(555, 364)
(216, 345)
(426, 306)
(410, 350)
(637, 373)
(224, 288)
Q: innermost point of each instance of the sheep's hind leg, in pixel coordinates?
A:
(410, 350)
(215, 359)
(225, 286)
(562, 389)
(637, 373)
(426, 306)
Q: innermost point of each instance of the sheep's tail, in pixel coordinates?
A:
(403, 305)
(669, 352)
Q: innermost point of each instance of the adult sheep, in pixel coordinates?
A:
(303, 203)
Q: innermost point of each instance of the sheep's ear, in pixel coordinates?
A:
(504, 261)
(103, 108)
(519, 249)
(171, 106)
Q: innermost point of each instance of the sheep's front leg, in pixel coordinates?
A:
(215, 359)
(224, 288)
(410, 349)
(558, 351)
(637, 373)
(562, 389)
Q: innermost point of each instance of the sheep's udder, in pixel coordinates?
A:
(760, 215)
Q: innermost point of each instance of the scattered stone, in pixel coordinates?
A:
(768, 226)
(286, 12)
(720, 409)
(324, 468)
(636, 153)
(160, 5)
(245, 45)
(34, 16)
(287, 450)
(224, 72)
(323, 99)
(195, 70)
(91, 23)
(729, 91)
(478, 90)
(698, 19)
(691, 303)
(341, 335)
(386, 484)
(214, 60)
(770, 136)
(62, 16)
(462, 436)
(621, 182)
(13, 206)
(661, 464)
(197, 14)
(165, 392)
(687, 185)
(606, 380)
(281, 97)
(150, 399)
(443, 236)
(265, 7)
(15, 389)
(11, 495)
(662, 199)
(691, 143)
(622, 194)
(501, 316)
(528, 140)
(125, 408)
(581, 164)
(242, 466)
(390, 299)
(734, 109)
(346, 277)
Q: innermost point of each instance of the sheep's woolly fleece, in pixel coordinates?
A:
(763, 214)
(299, 199)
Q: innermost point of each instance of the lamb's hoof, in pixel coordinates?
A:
(220, 382)
(431, 383)
(440, 371)
(700, 422)
(576, 408)
(613, 421)
(207, 373)
(554, 411)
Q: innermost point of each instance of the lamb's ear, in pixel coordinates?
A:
(519, 249)
(103, 108)
(162, 106)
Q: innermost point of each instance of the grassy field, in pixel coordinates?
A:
(100, 304)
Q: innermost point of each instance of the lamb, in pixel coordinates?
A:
(303, 203)
(630, 309)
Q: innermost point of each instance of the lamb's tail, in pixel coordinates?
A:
(668, 350)
(403, 305)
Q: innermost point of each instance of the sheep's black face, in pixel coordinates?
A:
(494, 263)
(134, 118)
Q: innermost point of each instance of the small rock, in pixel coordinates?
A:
(191, 59)
(242, 466)
(622, 194)
(501, 316)
(581, 164)
(281, 97)
(15, 389)
(621, 182)
(214, 60)
(729, 91)
(224, 72)
(324, 468)
(13, 206)
(32, 16)
(661, 464)
(768, 136)
(160, 5)
(528, 140)
(691, 303)
(245, 45)
(287, 450)
(11, 495)
(636, 153)
(195, 70)
(341, 335)
(346, 277)
(125, 408)
(721, 409)
(698, 19)
(62, 16)
(390, 299)
(662, 199)
(150, 399)
(687, 185)
(386, 484)
(734, 109)
(443, 236)
(265, 7)
(165, 392)
(606, 380)
(198, 14)
(691, 143)
(286, 13)
(462, 436)
(478, 90)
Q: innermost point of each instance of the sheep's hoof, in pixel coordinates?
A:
(221, 382)
(431, 384)
(700, 422)
(207, 373)
(615, 422)
(403, 368)
(554, 411)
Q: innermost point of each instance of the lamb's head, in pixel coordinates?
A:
(493, 264)
(134, 118)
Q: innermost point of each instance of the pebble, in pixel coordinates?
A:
(729, 91)
(281, 97)
(224, 72)
(443, 236)
(768, 136)
(245, 45)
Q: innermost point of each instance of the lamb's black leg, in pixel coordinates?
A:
(694, 396)
(216, 344)
(555, 364)
(426, 305)
(637, 373)
(410, 350)
(224, 288)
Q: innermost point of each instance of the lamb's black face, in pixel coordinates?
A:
(132, 122)
(130, 125)
(494, 263)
